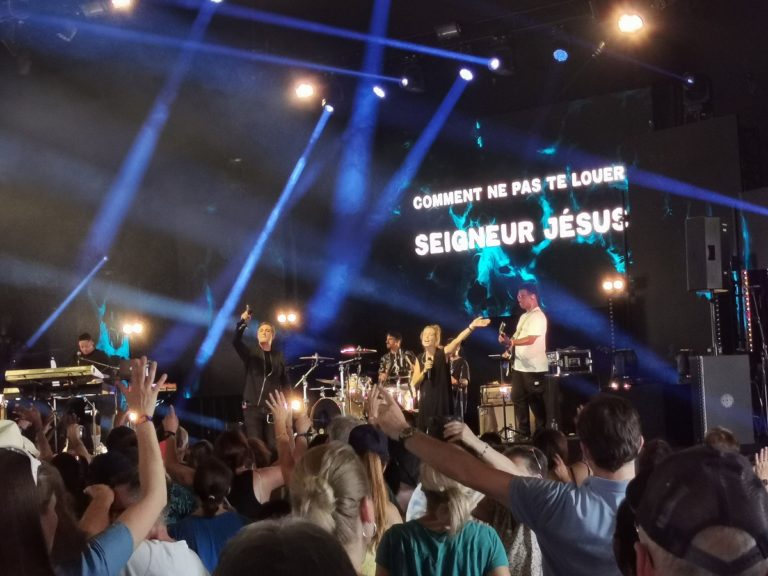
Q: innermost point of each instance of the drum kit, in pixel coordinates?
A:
(346, 394)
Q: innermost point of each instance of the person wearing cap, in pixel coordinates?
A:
(371, 445)
(703, 511)
(574, 524)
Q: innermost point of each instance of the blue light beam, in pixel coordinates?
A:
(149, 39)
(244, 13)
(118, 200)
(224, 316)
(330, 295)
(56, 313)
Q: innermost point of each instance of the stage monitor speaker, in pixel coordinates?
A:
(722, 396)
(706, 253)
(563, 395)
(492, 419)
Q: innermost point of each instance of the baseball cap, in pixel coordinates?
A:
(700, 488)
(366, 438)
(11, 438)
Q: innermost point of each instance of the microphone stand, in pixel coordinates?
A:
(303, 382)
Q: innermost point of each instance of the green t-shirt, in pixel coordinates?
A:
(410, 549)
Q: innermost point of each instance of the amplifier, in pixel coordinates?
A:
(570, 361)
(495, 394)
(492, 419)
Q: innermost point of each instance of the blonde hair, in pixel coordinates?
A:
(327, 487)
(436, 328)
(375, 472)
(448, 500)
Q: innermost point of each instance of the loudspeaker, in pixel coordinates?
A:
(721, 396)
(707, 252)
(562, 397)
(492, 418)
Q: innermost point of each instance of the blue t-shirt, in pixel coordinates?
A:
(208, 536)
(574, 525)
(410, 549)
(106, 554)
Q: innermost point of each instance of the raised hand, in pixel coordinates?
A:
(761, 465)
(456, 431)
(141, 394)
(278, 405)
(385, 414)
(479, 322)
(171, 421)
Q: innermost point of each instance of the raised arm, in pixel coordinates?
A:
(443, 456)
(451, 347)
(460, 432)
(237, 341)
(178, 471)
(141, 396)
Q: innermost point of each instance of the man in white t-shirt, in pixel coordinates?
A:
(529, 348)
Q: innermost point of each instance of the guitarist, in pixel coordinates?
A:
(528, 348)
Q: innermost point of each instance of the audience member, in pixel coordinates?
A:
(574, 524)
(519, 541)
(211, 525)
(329, 488)
(445, 539)
(251, 487)
(703, 512)
(722, 439)
(288, 547)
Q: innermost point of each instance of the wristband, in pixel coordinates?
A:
(304, 435)
(471, 328)
(143, 418)
(168, 433)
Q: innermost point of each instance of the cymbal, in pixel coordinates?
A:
(321, 388)
(316, 357)
(333, 382)
(351, 350)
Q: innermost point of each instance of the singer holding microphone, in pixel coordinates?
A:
(264, 373)
(432, 377)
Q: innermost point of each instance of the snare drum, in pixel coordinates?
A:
(323, 411)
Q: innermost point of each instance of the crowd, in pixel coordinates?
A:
(376, 498)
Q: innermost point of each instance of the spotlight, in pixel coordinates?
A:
(297, 405)
(328, 108)
(614, 385)
(282, 318)
(560, 55)
(292, 317)
(304, 90)
(217, 1)
(466, 74)
(446, 32)
(502, 61)
(379, 91)
(614, 286)
(122, 5)
(494, 63)
(627, 385)
(629, 23)
(689, 79)
(404, 82)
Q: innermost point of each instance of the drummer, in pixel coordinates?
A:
(396, 366)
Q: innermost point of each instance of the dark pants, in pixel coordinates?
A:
(256, 425)
(528, 392)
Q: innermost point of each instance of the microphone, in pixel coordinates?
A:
(79, 355)
(428, 372)
(501, 328)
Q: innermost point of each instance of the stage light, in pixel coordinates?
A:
(379, 91)
(304, 90)
(297, 405)
(122, 5)
(614, 286)
(689, 79)
(627, 385)
(292, 317)
(466, 74)
(560, 55)
(614, 385)
(630, 23)
(412, 76)
(217, 1)
(138, 328)
(282, 318)
(404, 82)
(446, 32)
(494, 63)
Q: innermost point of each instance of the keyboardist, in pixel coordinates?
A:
(87, 353)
